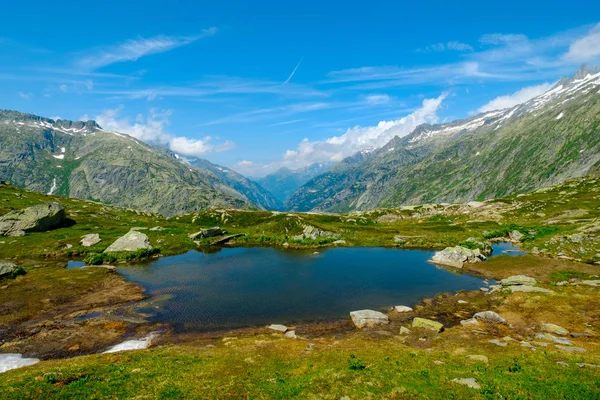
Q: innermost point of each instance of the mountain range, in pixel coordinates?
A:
(284, 182)
(550, 138)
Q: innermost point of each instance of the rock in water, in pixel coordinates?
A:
(427, 324)
(7, 268)
(207, 233)
(456, 256)
(90, 239)
(368, 318)
(489, 316)
(38, 218)
(131, 241)
(518, 280)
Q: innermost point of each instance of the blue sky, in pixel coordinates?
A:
(269, 84)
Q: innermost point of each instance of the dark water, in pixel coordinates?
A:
(239, 287)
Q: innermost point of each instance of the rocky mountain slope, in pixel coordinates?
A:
(284, 182)
(80, 159)
(548, 139)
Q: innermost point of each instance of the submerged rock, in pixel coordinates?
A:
(518, 280)
(427, 324)
(457, 256)
(38, 218)
(90, 239)
(368, 318)
(131, 241)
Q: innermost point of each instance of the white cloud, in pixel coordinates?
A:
(24, 95)
(518, 97)
(134, 49)
(454, 46)
(354, 140)
(586, 48)
(153, 129)
(377, 99)
(495, 39)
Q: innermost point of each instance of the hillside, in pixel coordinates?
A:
(553, 137)
(80, 159)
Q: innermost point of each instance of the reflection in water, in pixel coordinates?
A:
(239, 287)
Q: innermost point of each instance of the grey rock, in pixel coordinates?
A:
(207, 233)
(157, 228)
(404, 330)
(551, 338)
(470, 382)
(518, 280)
(456, 256)
(368, 318)
(529, 289)
(552, 328)
(131, 241)
(7, 268)
(38, 218)
(571, 349)
(516, 235)
(90, 239)
(469, 322)
(489, 316)
(478, 357)
(403, 309)
(311, 232)
(498, 342)
(290, 334)
(580, 334)
(427, 324)
(278, 327)
(563, 363)
(587, 365)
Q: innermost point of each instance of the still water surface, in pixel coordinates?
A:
(239, 287)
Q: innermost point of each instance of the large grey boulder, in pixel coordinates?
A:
(457, 256)
(7, 268)
(38, 218)
(518, 280)
(131, 241)
(489, 316)
(368, 318)
(207, 233)
(90, 239)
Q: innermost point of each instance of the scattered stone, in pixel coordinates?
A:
(403, 309)
(469, 322)
(541, 344)
(7, 268)
(457, 256)
(315, 253)
(489, 316)
(207, 233)
(462, 302)
(470, 382)
(157, 228)
(278, 327)
(290, 334)
(339, 242)
(516, 235)
(563, 363)
(529, 289)
(571, 349)
(584, 335)
(562, 283)
(404, 331)
(90, 239)
(552, 338)
(478, 357)
(526, 344)
(38, 218)
(484, 289)
(518, 280)
(311, 232)
(508, 339)
(498, 342)
(478, 332)
(427, 324)
(552, 328)
(590, 282)
(286, 245)
(368, 318)
(438, 362)
(584, 365)
(131, 241)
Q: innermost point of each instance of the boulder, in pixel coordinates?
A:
(516, 235)
(311, 232)
(479, 358)
(489, 316)
(552, 328)
(529, 289)
(555, 339)
(207, 233)
(278, 327)
(403, 309)
(7, 268)
(369, 318)
(518, 280)
(404, 330)
(571, 349)
(90, 239)
(470, 382)
(38, 218)
(290, 334)
(456, 256)
(427, 324)
(131, 241)
(469, 322)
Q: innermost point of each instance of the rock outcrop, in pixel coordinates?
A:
(131, 241)
(457, 256)
(90, 239)
(38, 218)
(518, 280)
(207, 233)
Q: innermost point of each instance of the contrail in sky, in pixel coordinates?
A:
(293, 72)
